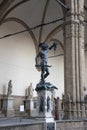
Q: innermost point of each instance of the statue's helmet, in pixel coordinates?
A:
(43, 46)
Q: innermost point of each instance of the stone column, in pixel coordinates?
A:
(81, 54)
(74, 56)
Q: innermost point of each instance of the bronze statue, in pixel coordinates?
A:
(43, 55)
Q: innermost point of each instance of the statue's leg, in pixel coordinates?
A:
(42, 74)
(47, 72)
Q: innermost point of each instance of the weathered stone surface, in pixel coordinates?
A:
(74, 59)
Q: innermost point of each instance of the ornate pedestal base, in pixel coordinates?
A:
(44, 105)
(7, 108)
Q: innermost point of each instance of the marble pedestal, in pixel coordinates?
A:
(29, 106)
(7, 107)
(44, 109)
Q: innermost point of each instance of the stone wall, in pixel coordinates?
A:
(18, 100)
(23, 127)
(38, 125)
(71, 125)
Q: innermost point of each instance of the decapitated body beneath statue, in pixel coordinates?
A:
(45, 86)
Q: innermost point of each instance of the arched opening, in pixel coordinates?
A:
(16, 59)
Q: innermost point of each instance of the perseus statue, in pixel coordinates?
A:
(43, 55)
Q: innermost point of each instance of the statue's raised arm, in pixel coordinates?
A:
(54, 45)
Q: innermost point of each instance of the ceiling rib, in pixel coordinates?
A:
(56, 40)
(13, 7)
(56, 30)
(25, 26)
(4, 6)
(43, 18)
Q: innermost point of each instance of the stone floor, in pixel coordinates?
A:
(17, 121)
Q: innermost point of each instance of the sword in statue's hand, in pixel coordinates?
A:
(43, 65)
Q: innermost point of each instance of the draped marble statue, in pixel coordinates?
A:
(9, 88)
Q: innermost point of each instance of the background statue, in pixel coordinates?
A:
(43, 55)
(9, 88)
(53, 94)
(30, 91)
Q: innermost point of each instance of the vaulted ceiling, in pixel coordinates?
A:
(31, 13)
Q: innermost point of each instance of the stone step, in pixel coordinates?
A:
(1, 114)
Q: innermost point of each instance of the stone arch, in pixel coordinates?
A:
(56, 30)
(25, 26)
(43, 17)
(56, 40)
(13, 7)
